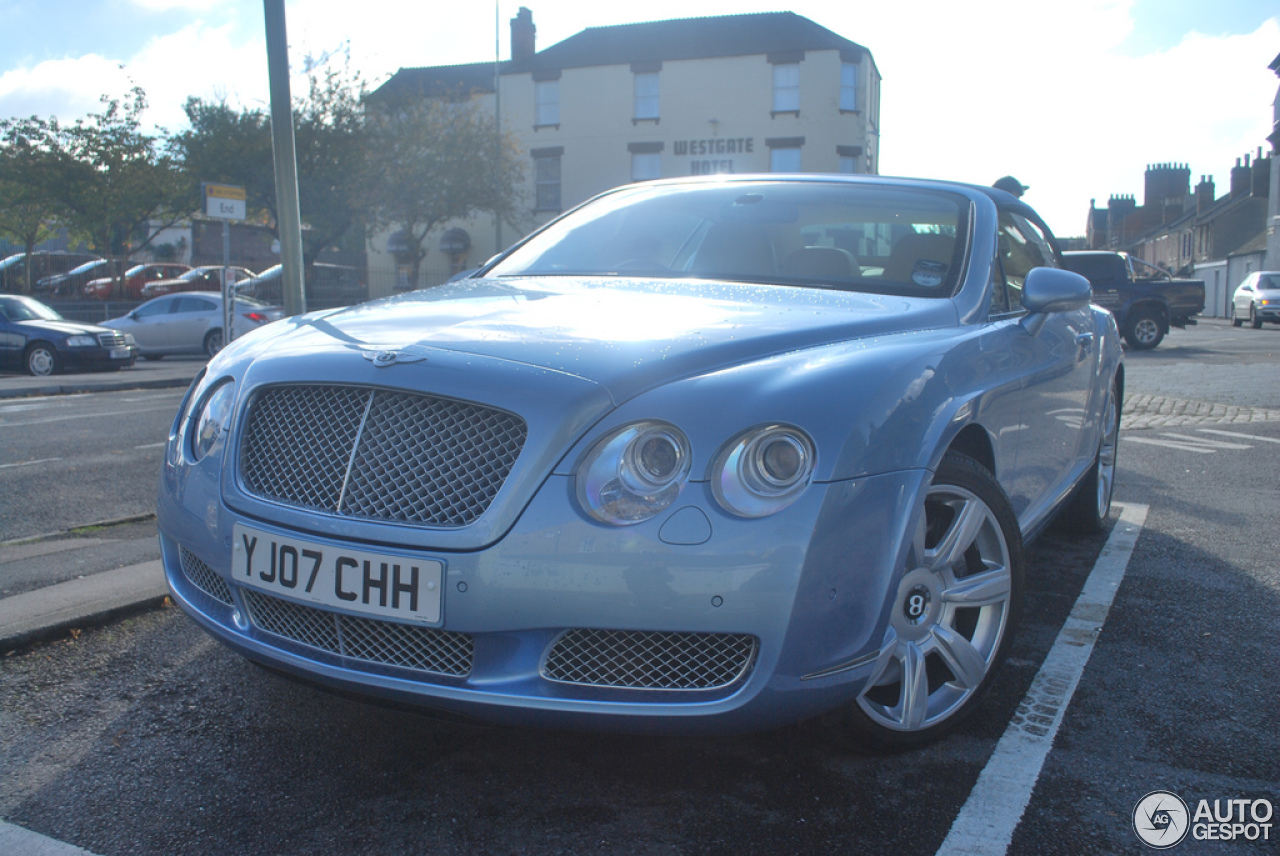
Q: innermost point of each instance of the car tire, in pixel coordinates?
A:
(153, 356)
(212, 343)
(1254, 321)
(1236, 320)
(953, 616)
(41, 360)
(1087, 510)
(1144, 331)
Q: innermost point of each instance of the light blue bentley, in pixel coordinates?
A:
(711, 454)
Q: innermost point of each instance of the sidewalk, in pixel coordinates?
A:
(145, 374)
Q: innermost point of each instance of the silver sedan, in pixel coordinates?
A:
(190, 323)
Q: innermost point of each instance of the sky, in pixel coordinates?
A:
(1075, 97)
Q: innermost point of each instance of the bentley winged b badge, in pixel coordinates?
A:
(383, 357)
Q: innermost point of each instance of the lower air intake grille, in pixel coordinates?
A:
(204, 577)
(426, 649)
(648, 660)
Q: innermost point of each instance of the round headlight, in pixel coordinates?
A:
(764, 470)
(634, 473)
(211, 424)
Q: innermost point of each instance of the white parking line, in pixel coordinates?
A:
(1238, 435)
(1186, 443)
(15, 839)
(29, 463)
(986, 823)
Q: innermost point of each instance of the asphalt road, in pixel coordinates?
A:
(146, 737)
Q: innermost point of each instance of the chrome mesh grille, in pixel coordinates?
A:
(378, 454)
(426, 649)
(650, 660)
(204, 577)
(111, 340)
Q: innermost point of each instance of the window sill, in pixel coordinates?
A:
(554, 127)
(776, 113)
(638, 119)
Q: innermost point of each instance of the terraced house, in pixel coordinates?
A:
(771, 92)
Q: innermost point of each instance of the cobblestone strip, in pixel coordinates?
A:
(1158, 411)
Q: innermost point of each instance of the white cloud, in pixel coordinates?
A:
(65, 88)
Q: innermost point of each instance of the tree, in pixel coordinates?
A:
(116, 179)
(229, 145)
(434, 160)
(29, 174)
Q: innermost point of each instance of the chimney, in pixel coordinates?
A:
(1241, 179)
(1261, 178)
(523, 34)
(1204, 193)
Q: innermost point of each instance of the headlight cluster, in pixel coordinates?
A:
(634, 473)
(212, 417)
(81, 341)
(637, 471)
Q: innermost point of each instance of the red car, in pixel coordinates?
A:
(206, 278)
(135, 279)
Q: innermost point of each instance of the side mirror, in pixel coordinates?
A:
(1048, 290)
(1054, 290)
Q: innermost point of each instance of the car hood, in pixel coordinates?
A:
(626, 335)
(62, 328)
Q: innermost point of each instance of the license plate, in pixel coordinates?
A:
(382, 585)
(119, 353)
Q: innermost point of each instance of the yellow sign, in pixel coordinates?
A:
(225, 191)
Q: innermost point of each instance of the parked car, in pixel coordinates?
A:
(135, 278)
(72, 282)
(701, 454)
(34, 338)
(189, 323)
(327, 286)
(1257, 299)
(1145, 299)
(43, 264)
(205, 278)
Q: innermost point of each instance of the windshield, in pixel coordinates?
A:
(26, 309)
(851, 236)
(88, 266)
(1269, 281)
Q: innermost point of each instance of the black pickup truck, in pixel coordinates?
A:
(1145, 299)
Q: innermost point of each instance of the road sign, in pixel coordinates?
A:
(224, 201)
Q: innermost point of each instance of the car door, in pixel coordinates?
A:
(191, 319)
(1244, 297)
(1057, 363)
(148, 324)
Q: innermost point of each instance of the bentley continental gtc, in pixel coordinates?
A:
(711, 454)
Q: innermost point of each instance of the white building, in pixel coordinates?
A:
(743, 93)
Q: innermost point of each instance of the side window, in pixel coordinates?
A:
(193, 304)
(999, 293)
(159, 307)
(1022, 247)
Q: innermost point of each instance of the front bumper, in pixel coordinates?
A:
(806, 588)
(120, 356)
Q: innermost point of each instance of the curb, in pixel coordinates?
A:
(82, 387)
(54, 611)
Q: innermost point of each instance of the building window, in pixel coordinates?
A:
(546, 96)
(848, 86)
(646, 92)
(784, 159)
(646, 166)
(786, 87)
(546, 179)
(850, 159)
